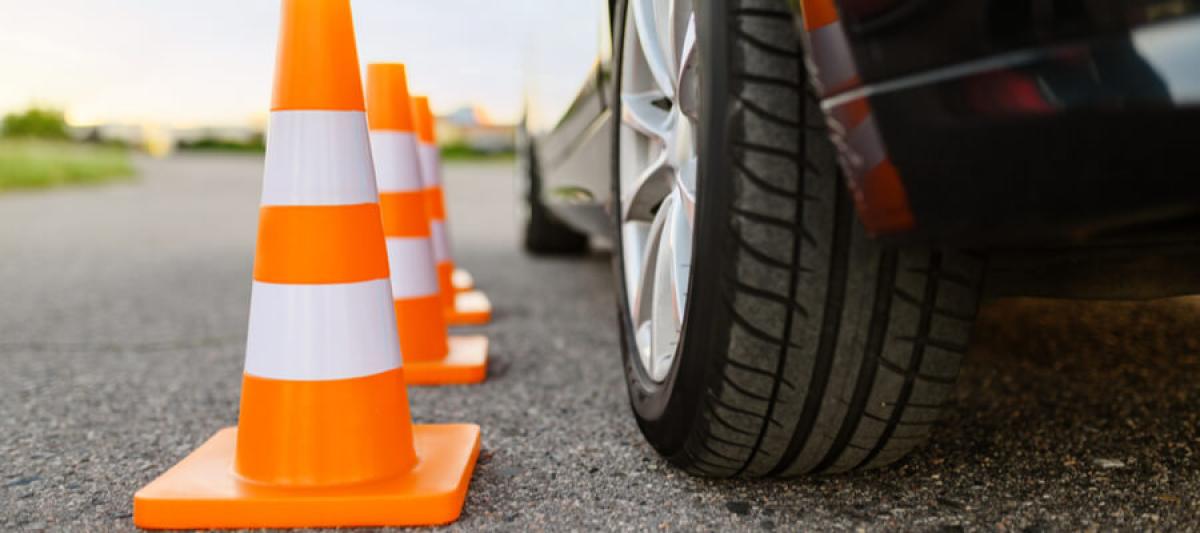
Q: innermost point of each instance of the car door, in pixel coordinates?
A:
(572, 135)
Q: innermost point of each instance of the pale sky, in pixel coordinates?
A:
(210, 62)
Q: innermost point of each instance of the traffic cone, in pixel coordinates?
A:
(462, 280)
(431, 357)
(324, 438)
(463, 307)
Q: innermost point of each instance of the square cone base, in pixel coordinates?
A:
(203, 492)
(462, 280)
(466, 364)
(471, 308)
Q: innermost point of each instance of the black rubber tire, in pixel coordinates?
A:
(807, 347)
(543, 233)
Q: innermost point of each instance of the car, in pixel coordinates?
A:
(808, 200)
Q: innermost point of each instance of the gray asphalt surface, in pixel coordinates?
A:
(123, 316)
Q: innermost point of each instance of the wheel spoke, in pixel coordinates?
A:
(688, 88)
(680, 20)
(656, 54)
(644, 113)
(667, 310)
(685, 183)
(635, 240)
(679, 242)
(648, 192)
(643, 304)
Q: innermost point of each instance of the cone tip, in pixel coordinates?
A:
(317, 62)
(423, 117)
(387, 98)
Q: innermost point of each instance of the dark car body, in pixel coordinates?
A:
(1059, 127)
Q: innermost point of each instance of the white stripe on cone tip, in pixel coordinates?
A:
(397, 165)
(318, 158)
(441, 241)
(867, 145)
(431, 165)
(322, 332)
(412, 263)
(830, 50)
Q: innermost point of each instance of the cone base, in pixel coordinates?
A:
(203, 492)
(472, 308)
(462, 280)
(466, 364)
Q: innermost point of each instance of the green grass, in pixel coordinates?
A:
(458, 152)
(33, 164)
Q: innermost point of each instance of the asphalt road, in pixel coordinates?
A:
(123, 317)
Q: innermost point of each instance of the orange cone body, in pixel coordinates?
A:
(463, 307)
(324, 438)
(431, 357)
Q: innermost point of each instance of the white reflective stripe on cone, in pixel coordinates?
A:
(830, 50)
(431, 165)
(322, 332)
(441, 241)
(413, 272)
(318, 158)
(397, 168)
(866, 146)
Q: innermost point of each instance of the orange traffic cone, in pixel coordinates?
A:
(462, 280)
(431, 357)
(463, 307)
(325, 438)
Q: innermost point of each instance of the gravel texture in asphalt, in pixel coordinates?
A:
(123, 320)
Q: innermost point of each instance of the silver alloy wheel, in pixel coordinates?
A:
(658, 167)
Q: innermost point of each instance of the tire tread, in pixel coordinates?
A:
(828, 366)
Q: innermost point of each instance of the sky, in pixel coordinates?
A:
(210, 63)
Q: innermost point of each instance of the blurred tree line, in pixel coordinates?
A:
(255, 144)
(38, 123)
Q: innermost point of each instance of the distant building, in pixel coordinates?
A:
(159, 140)
(129, 134)
(227, 134)
(471, 127)
(468, 127)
